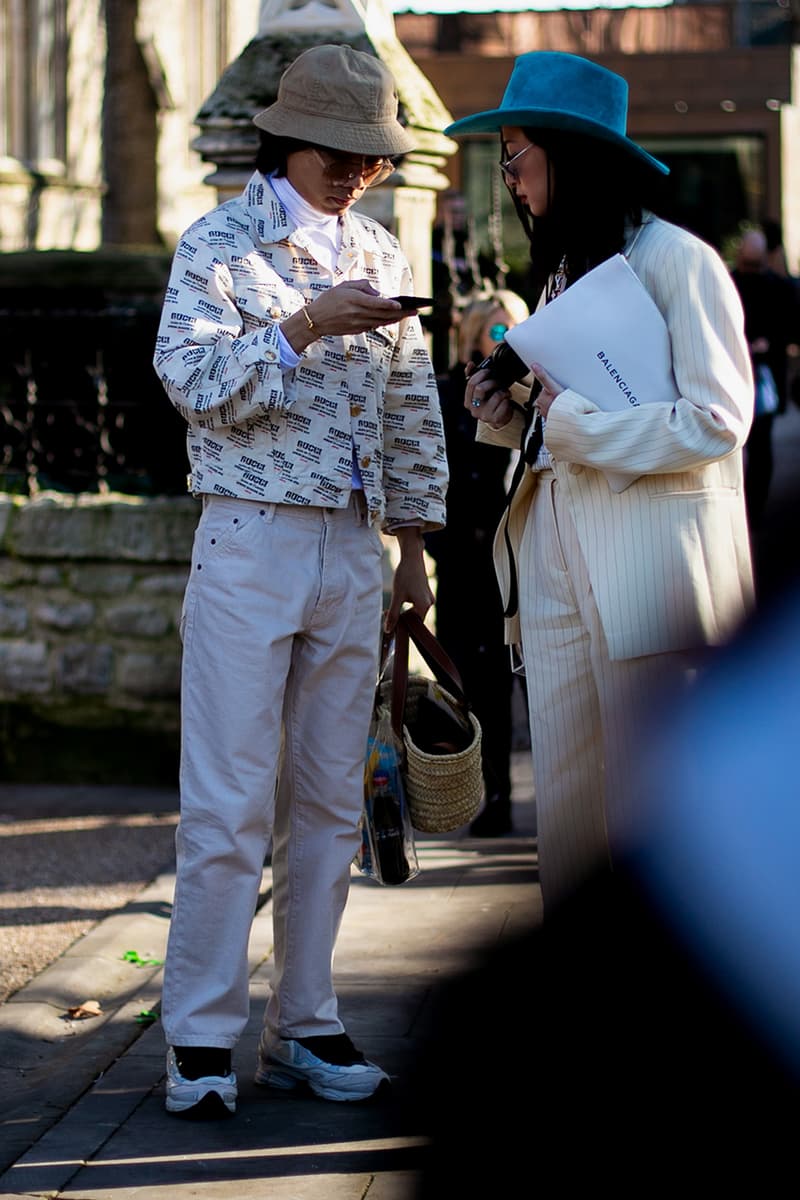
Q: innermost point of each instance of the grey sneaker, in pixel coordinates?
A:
(209, 1096)
(287, 1064)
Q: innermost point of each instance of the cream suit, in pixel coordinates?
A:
(618, 589)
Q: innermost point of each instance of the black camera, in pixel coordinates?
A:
(504, 365)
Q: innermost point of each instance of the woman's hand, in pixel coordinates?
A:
(550, 389)
(485, 400)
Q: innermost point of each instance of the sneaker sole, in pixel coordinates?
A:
(211, 1107)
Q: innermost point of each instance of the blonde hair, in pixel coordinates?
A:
(475, 315)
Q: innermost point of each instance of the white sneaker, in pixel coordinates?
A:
(208, 1096)
(287, 1064)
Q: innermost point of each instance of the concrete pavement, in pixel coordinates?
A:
(81, 1115)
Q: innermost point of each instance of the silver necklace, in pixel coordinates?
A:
(559, 280)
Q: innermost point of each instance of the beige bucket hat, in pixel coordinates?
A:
(341, 98)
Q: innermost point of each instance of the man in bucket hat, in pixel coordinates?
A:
(313, 424)
(624, 551)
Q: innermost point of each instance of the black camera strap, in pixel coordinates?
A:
(529, 448)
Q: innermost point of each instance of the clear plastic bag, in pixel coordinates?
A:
(387, 852)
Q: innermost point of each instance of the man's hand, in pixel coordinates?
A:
(352, 307)
(410, 584)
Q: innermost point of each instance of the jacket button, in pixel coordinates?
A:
(356, 410)
(275, 312)
(366, 460)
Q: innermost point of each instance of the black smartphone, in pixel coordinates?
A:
(412, 302)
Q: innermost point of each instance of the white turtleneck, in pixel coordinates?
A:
(322, 232)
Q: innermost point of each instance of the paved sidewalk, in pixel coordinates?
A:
(81, 1114)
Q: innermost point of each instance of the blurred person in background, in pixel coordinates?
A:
(469, 610)
(459, 273)
(769, 300)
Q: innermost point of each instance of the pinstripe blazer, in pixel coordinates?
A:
(669, 557)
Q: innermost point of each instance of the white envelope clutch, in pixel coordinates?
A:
(605, 338)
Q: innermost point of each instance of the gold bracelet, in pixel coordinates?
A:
(307, 316)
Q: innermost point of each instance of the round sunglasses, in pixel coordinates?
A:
(509, 171)
(342, 169)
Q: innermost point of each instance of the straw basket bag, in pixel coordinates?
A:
(440, 735)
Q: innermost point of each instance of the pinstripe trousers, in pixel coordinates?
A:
(588, 714)
(281, 637)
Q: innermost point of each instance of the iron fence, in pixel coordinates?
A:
(81, 407)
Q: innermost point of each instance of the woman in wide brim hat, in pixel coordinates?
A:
(612, 594)
(576, 113)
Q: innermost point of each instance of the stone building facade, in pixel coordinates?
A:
(99, 99)
(98, 134)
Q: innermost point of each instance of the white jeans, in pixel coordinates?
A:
(281, 635)
(589, 714)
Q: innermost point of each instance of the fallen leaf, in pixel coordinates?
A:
(146, 1017)
(89, 1008)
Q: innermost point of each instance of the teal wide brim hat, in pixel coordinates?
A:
(552, 90)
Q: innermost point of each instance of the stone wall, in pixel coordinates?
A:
(90, 597)
(91, 588)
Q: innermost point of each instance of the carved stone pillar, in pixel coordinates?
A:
(406, 203)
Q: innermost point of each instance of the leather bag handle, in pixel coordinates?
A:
(411, 627)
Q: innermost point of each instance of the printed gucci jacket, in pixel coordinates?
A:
(258, 432)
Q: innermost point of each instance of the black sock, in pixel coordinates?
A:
(194, 1062)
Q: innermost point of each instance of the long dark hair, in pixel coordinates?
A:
(595, 190)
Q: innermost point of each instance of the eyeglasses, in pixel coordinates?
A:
(344, 168)
(498, 332)
(511, 173)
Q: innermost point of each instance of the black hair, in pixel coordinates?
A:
(595, 191)
(273, 151)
